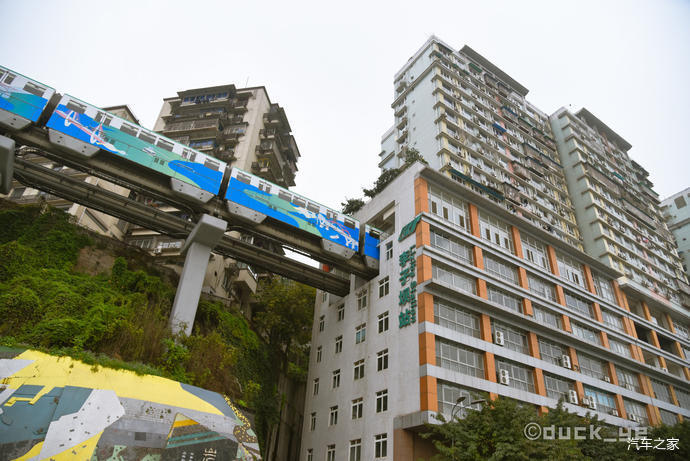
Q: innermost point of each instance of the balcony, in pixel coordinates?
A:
(192, 125)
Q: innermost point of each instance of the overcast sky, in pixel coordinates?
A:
(331, 65)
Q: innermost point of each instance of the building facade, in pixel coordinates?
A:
(484, 289)
(677, 215)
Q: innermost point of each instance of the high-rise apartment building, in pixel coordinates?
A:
(484, 289)
(676, 209)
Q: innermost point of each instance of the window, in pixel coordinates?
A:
(681, 330)
(541, 288)
(384, 286)
(448, 394)
(585, 333)
(514, 338)
(361, 333)
(449, 208)
(336, 378)
(357, 408)
(356, 450)
(382, 360)
(603, 288)
(504, 299)
(324, 297)
(312, 422)
(383, 322)
(605, 401)
(495, 231)
(362, 300)
(322, 322)
(382, 401)
(578, 304)
(359, 369)
(667, 417)
(683, 398)
(316, 386)
(612, 320)
(457, 319)
(451, 246)
(520, 376)
(570, 269)
(333, 416)
(452, 278)
(590, 366)
(381, 445)
(310, 454)
(330, 454)
(535, 252)
(500, 269)
(338, 344)
(620, 348)
(319, 351)
(627, 379)
(661, 391)
(557, 387)
(17, 192)
(455, 357)
(551, 352)
(389, 251)
(341, 312)
(637, 409)
(548, 318)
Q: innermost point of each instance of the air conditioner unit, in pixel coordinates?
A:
(565, 361)
(498, 338)
(157, 251)
(607, 379)
(590, 402)
(614, 412)
(572, 397)
(629, 387)
(504, 377)
(664, 369)
(634, 417)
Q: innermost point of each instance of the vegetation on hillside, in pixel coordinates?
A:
(119, 318)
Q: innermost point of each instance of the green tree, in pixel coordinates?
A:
(351, 205)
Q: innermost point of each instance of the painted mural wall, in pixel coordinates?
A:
(58, 408)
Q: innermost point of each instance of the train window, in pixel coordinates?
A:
(264, 186)
(147, 137)
(284, 195)
(34, 89)
(241, 177)
(350, 223)
(331, 215)
(102, 117)
(129, 129)
(75, 106)
(300, 202)
(163, 144)
(9, 78)
(313, 208)
(212, 164)
(189, 155)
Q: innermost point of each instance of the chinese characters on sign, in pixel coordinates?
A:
(408, 294)
(657, 444)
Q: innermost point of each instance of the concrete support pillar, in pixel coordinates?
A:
(203, 238)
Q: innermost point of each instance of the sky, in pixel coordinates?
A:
(331, 65)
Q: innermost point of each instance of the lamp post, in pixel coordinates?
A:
(461, 407)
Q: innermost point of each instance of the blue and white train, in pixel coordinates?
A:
(81, 129)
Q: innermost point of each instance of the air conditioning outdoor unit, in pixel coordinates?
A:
(629, 387)
(614, 412)
(607, 379)
(634, 417)
(664, 369)
(498, 338)
(589, 402)
(157, 250)
(504, 377)
(572, 397)
(565, 361)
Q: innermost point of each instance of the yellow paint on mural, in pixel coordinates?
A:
(83, 451)
(35, 450)
(50, 371)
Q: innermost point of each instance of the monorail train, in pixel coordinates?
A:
(81, 129)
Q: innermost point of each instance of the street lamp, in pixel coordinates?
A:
(461, 407)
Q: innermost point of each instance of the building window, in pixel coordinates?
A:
(520, 377)
(362, 300)
(603, 288)
(338, 344)
(683, 398)
(547, 318)
(604, 401)
(381, 445)
(628, 380)
(324, 297)
(322, 322)
(570, 269)
(384, 286)
(382, 360)
(449, 393)
(620, 348)
(612, 320)
(382, 401)
(500, 269)
(661, 391)
(535, 252)
(578, 304)
(330, 454)
(504, 299)
(361, 333)
(319, 351)
(336, 379)
(389, 250)
(359, 369)
(495, 231)
(451, 246)
(316, 386)
(333, 416)
(637, 409)
(312, 422)
(449, 208)
(452, 278)
(455, 357)
(585, 333)
(383, 322)
(591, 367)
(541, 288)
(310, 454)
(357, 408)
(356, 450)
(551, 352)
(557, 387)
(457, 319)
(17, 192)
(341, 312)
(513, 338)
(667, 417)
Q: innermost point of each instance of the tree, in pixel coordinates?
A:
(352, 205)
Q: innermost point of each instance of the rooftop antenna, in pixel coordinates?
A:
(247, 82)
